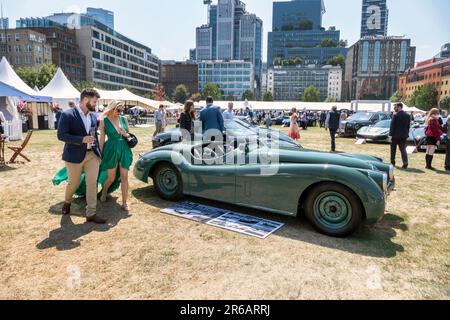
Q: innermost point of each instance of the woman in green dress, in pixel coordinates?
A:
(117, 155)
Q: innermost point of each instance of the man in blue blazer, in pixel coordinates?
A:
(78, 129)
(212, 119)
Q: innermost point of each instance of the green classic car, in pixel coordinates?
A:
(336, 192)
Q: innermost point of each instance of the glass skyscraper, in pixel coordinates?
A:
(297, 32)
(103, 16)
(231, 34)
(375, 18)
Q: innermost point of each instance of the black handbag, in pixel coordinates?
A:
(132, 141)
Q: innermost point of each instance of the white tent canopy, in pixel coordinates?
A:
(131, 98)
(310, 106)
(60, 88)
(9, 77)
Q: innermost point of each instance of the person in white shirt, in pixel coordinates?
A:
(229, 114)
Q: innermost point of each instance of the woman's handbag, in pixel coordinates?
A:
(132, 141)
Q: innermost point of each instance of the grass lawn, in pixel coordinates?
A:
(148, 255)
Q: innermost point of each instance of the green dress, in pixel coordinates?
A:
(115, 151)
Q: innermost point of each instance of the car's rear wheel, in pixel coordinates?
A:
(334, 210)
(168, 182)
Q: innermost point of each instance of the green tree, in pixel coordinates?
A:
(150, 95)
(311, 94)
(196, 97)
(180, 94)
(230, 97)
(445, 103)
(37, 76)
(327, 43)
(396, 97)
(330, 99)
(338, 60)
(268, 96)
(248, 95)
(343, 43)
(287, 27)
(212, 90)
(424, 98)
(81, 85)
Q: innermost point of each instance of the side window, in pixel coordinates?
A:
(376, 118)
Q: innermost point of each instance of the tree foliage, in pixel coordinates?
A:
(268, 96)
(311, 94)
(396, 97)
(330, 99)
(212, 90)
(424, 98)
(37, 76)
(180, 94)
(445, 103)
(248, 95)
(327, 43)
(338, 60)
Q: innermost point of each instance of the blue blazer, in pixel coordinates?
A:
(71, 130)
(212, 118)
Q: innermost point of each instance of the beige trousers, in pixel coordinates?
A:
(91, 166)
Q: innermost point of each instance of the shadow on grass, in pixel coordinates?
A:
(67, 236)
(372, 241)
(6, 168)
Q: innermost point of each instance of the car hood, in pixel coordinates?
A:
(374, 131)
(339, 159)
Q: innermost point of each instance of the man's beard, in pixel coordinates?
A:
(90, 107)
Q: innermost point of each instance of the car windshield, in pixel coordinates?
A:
(361, 116)
(383, 124)
(236, 125)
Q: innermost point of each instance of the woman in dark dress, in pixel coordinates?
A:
(187, 119)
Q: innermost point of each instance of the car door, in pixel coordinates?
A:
(215, 181)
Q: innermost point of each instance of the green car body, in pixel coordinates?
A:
(297, 173)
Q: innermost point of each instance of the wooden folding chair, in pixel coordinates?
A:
(18, 150)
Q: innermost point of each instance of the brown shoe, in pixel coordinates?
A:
(66, 209)
(95, 219)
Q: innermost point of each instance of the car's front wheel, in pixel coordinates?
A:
(168, 182)
(334, 210)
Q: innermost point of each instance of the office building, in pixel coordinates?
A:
(374, 64)
(434, 71)
(232, 77)
(375, 18)
(297, 32)
(25, 47)
(231, 34)
(65, 51)
(288, 83)
(4, 23)
(103, 16)
(174, 73)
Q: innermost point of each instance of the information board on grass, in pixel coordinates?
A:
(225, 219)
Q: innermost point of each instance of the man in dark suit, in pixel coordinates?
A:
(212, 119)
(399, 133)
(78, 129)
(333, 122)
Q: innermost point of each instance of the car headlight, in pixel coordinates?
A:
(391, 172)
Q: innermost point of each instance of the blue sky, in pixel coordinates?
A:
(168, 26)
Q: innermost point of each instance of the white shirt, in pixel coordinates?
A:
(228, 115)
(86, 120)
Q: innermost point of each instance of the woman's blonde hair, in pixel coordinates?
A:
(433, 112)
(112, 107)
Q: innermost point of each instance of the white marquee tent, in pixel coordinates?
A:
(8, 104)
(131, 99)
(61, 90)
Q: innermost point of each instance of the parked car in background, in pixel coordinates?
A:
(278, 121)
(420, 139)
(380, 133)
(362, 119)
